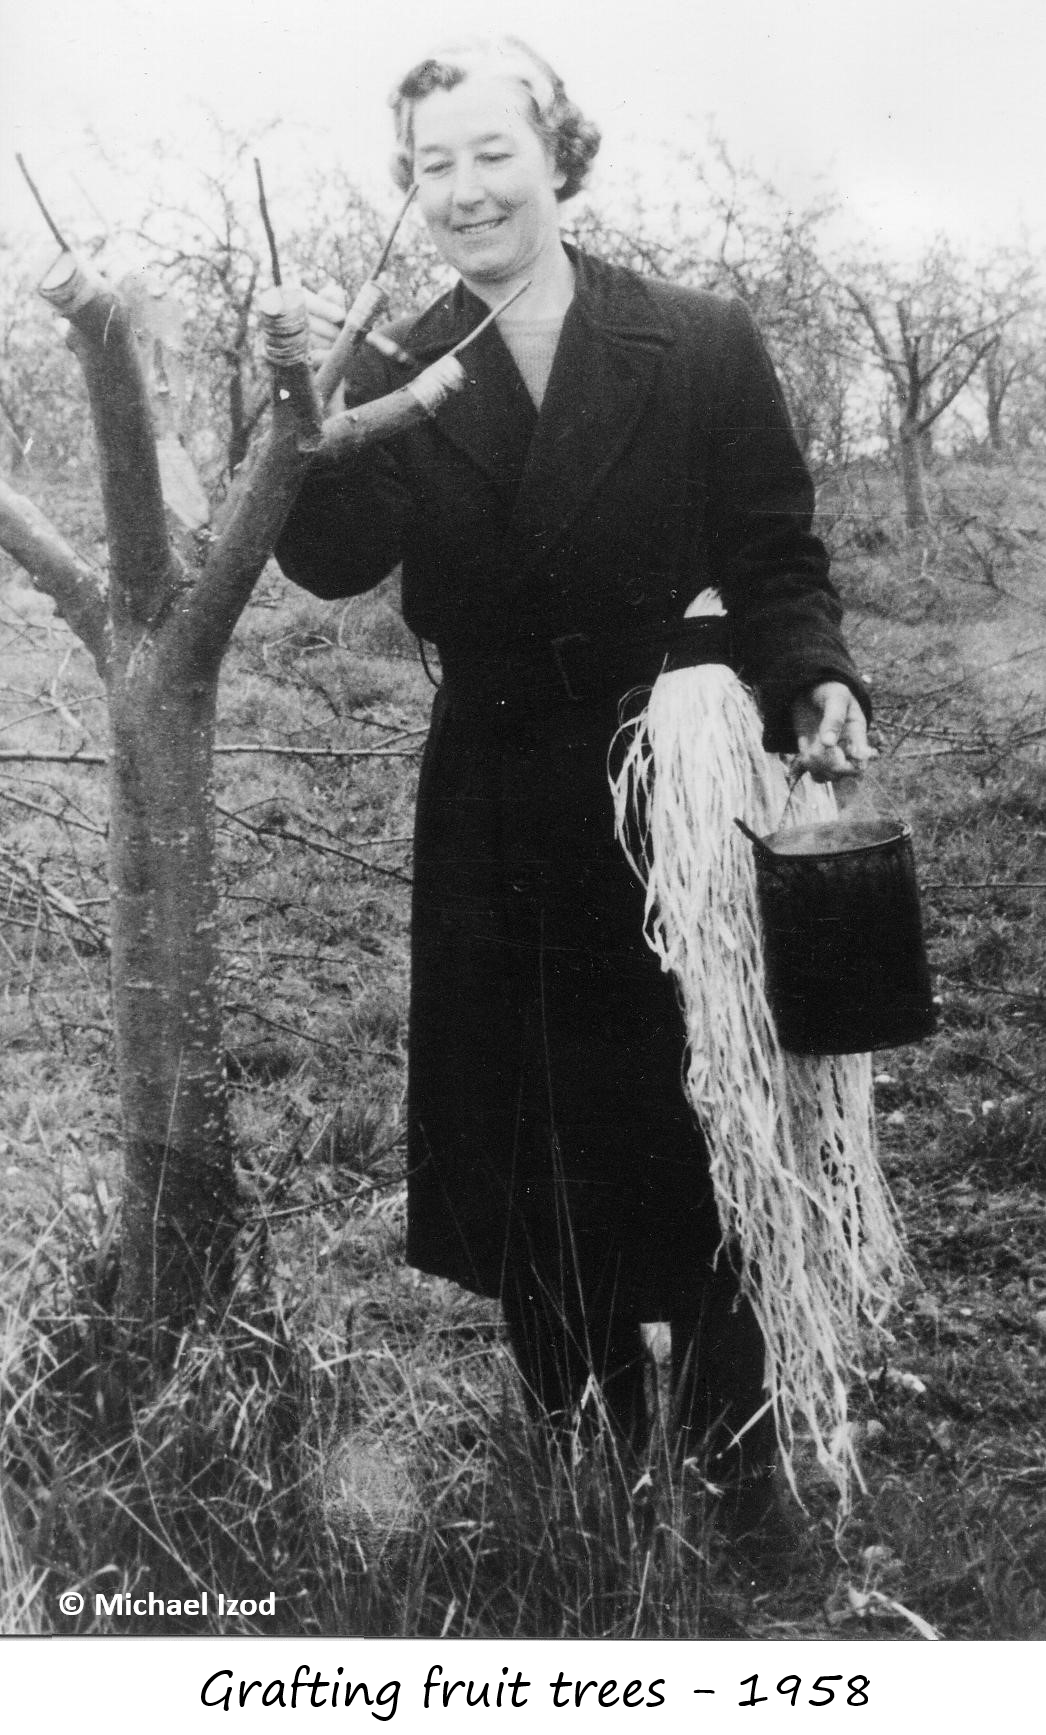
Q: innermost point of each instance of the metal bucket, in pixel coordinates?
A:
(845, 961)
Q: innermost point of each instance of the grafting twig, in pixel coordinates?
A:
(393, 232)
(270, 236)
(44, 212)
(495, 313)
(421, 397)
(367, 308)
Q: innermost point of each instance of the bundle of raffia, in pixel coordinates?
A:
(803, 1205)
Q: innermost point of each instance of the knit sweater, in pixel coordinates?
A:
(532, 346)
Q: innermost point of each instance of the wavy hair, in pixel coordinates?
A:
(571, 139)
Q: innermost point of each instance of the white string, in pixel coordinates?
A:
(285, 326)
(435, 385)
(801, 1198)
(369, 304)
(70, 293)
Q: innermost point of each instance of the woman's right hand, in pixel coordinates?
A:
(326, 308)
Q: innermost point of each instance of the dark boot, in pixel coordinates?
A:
(717, 1387)
(558, 1355)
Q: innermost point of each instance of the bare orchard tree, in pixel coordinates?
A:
(1013, 383)
(1010, 378)
(732, 231)
(929, 332)
(157, 630)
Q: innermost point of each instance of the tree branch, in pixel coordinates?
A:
(350, 431)
(34, 756)
(260, 503)
(952, 393)
(55, 568)
(886, 355)
(261, 499)
(144, 573)
(961, 342)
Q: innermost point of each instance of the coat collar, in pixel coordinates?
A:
(615, 301)
(547, 467)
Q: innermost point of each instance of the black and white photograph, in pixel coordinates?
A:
(522, 854)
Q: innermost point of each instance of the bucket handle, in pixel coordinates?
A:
(763, 850)
(754, 840)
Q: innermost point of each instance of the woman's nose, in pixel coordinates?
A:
(466, 188)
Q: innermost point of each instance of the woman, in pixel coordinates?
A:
(622, 445)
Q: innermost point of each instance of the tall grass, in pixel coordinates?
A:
(380, 1490)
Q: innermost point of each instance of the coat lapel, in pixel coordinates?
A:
(547, 467)
(493, 419)
(606, 366)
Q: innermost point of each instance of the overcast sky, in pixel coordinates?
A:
(924, 115)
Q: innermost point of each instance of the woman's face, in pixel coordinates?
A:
(486, 181)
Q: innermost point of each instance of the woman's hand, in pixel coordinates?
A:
(326, 310)
(832, 733)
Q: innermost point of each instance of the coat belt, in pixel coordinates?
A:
(576, 669)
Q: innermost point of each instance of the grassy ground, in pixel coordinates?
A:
(351, 1436)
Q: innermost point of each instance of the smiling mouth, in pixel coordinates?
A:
(483, 228)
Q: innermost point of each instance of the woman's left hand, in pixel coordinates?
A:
(832, 733)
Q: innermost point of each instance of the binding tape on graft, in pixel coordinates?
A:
(368, 305)
(435, 385)
(285, 325)
(802, 1202)
(69, 284)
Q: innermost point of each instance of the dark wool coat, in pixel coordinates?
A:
(546, 1116)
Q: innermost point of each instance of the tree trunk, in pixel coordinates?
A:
(239, 429)
(158, 633)
(916, 505)
(179, 1190)
(995, 394)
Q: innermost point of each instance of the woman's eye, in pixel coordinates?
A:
(493, 156)
(435, 168)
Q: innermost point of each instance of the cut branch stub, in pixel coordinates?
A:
(70, 285)
(370, 303)
(285, 331)
(383, 417)
(285, 325)
(144, 573)
(261, 498)
(402, 409)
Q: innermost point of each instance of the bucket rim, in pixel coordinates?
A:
(900, 831)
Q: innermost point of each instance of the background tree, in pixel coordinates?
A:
(928, 331)
(730, 230)
(1012, 383)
